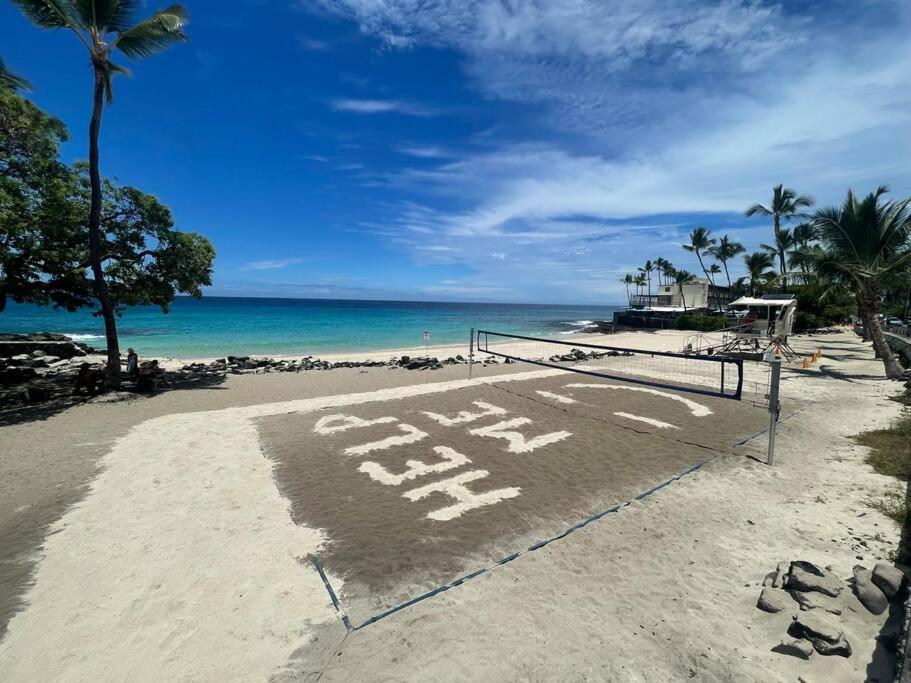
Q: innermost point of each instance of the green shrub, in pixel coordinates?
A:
(702, 323)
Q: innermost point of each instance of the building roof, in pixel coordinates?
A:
(768, 303)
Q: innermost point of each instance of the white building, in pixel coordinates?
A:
(700, 293)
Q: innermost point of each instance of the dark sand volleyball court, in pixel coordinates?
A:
(414, 492)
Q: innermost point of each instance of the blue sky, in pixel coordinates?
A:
(505, 150)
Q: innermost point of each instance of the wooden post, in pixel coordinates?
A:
(774, 407)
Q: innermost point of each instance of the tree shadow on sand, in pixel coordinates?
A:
(31, 412)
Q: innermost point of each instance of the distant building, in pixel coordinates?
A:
(700, 293)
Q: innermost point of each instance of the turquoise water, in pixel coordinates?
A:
(217, 326)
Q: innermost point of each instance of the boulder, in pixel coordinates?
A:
(888, 579)
(776, 579)
(806, 576)
(795, 648)
(774, 600)
(826, 637)
(814, 600)
(38, 353)
(867, 592)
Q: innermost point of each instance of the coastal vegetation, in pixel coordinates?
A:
(46, 247)
(103, 26)
(853, 259)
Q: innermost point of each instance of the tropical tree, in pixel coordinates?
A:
(44, 245)
(786, 204)
(712, 271)
(647, 271)
(639, 280)
(864, 241)
(663, 266)
(724, 251)
(682, 277)
(627, 280)
(759, 268)
(700, 242)
(10, 81)
(783, 243)
(103, 26)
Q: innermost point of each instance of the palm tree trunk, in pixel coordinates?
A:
(99, 283)
(683, 298)
(629, 302)
(891, 366)
(724, 262)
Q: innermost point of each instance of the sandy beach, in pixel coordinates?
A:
(172, 536)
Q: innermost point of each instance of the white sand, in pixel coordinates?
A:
(182, 563)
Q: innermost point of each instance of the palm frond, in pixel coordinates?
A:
(11, 81)
(758, 209)
(108, 16)
(108, 75)
(50, 13)
(156, 33)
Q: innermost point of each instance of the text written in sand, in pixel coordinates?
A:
(516, 432)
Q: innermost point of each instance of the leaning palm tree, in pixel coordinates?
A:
(712, 271)
(663, 266)
(627, 280)
(103, 26)
(784, 242)
(682, 277)
(639, 281)
(700, 241)
(647, 271)
(759, 267)
(724, 251)
(864, 241)
(786, 204)
(11, 81)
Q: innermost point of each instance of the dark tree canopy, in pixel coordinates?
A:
(44, 246)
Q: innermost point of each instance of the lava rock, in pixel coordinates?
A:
(888, 579)
(867, 592)
(774, 600)
(806, 576)
(826, 637)
(814, 600)
(795, 648)
(777, 578)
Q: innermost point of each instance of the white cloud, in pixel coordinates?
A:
(367, 106)
(424, 151)
(272, 264)
(687, 108)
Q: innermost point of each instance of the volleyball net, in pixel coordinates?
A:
(698, 374)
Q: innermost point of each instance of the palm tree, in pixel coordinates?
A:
(724, 251)
(759, 267)
(865, 241)
(712, 271)
(663, 266)
(628, 280)
(683, 277)
(103, 26)
(700, 242)
(10, 81)
(784, 242)
(786, 204)
(639, 280)
(647, 270)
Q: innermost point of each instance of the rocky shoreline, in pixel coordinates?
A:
(40, 367)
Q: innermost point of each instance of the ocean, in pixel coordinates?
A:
(218, 326)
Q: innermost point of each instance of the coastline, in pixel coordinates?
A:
(177, 485)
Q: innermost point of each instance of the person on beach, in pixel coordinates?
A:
(132, 365)
(89, 378)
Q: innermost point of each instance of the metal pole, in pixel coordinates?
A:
(470, 351)
(774, 406)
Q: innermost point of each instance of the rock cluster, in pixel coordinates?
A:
(242, 365)
(820, 597)
(576, 355)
